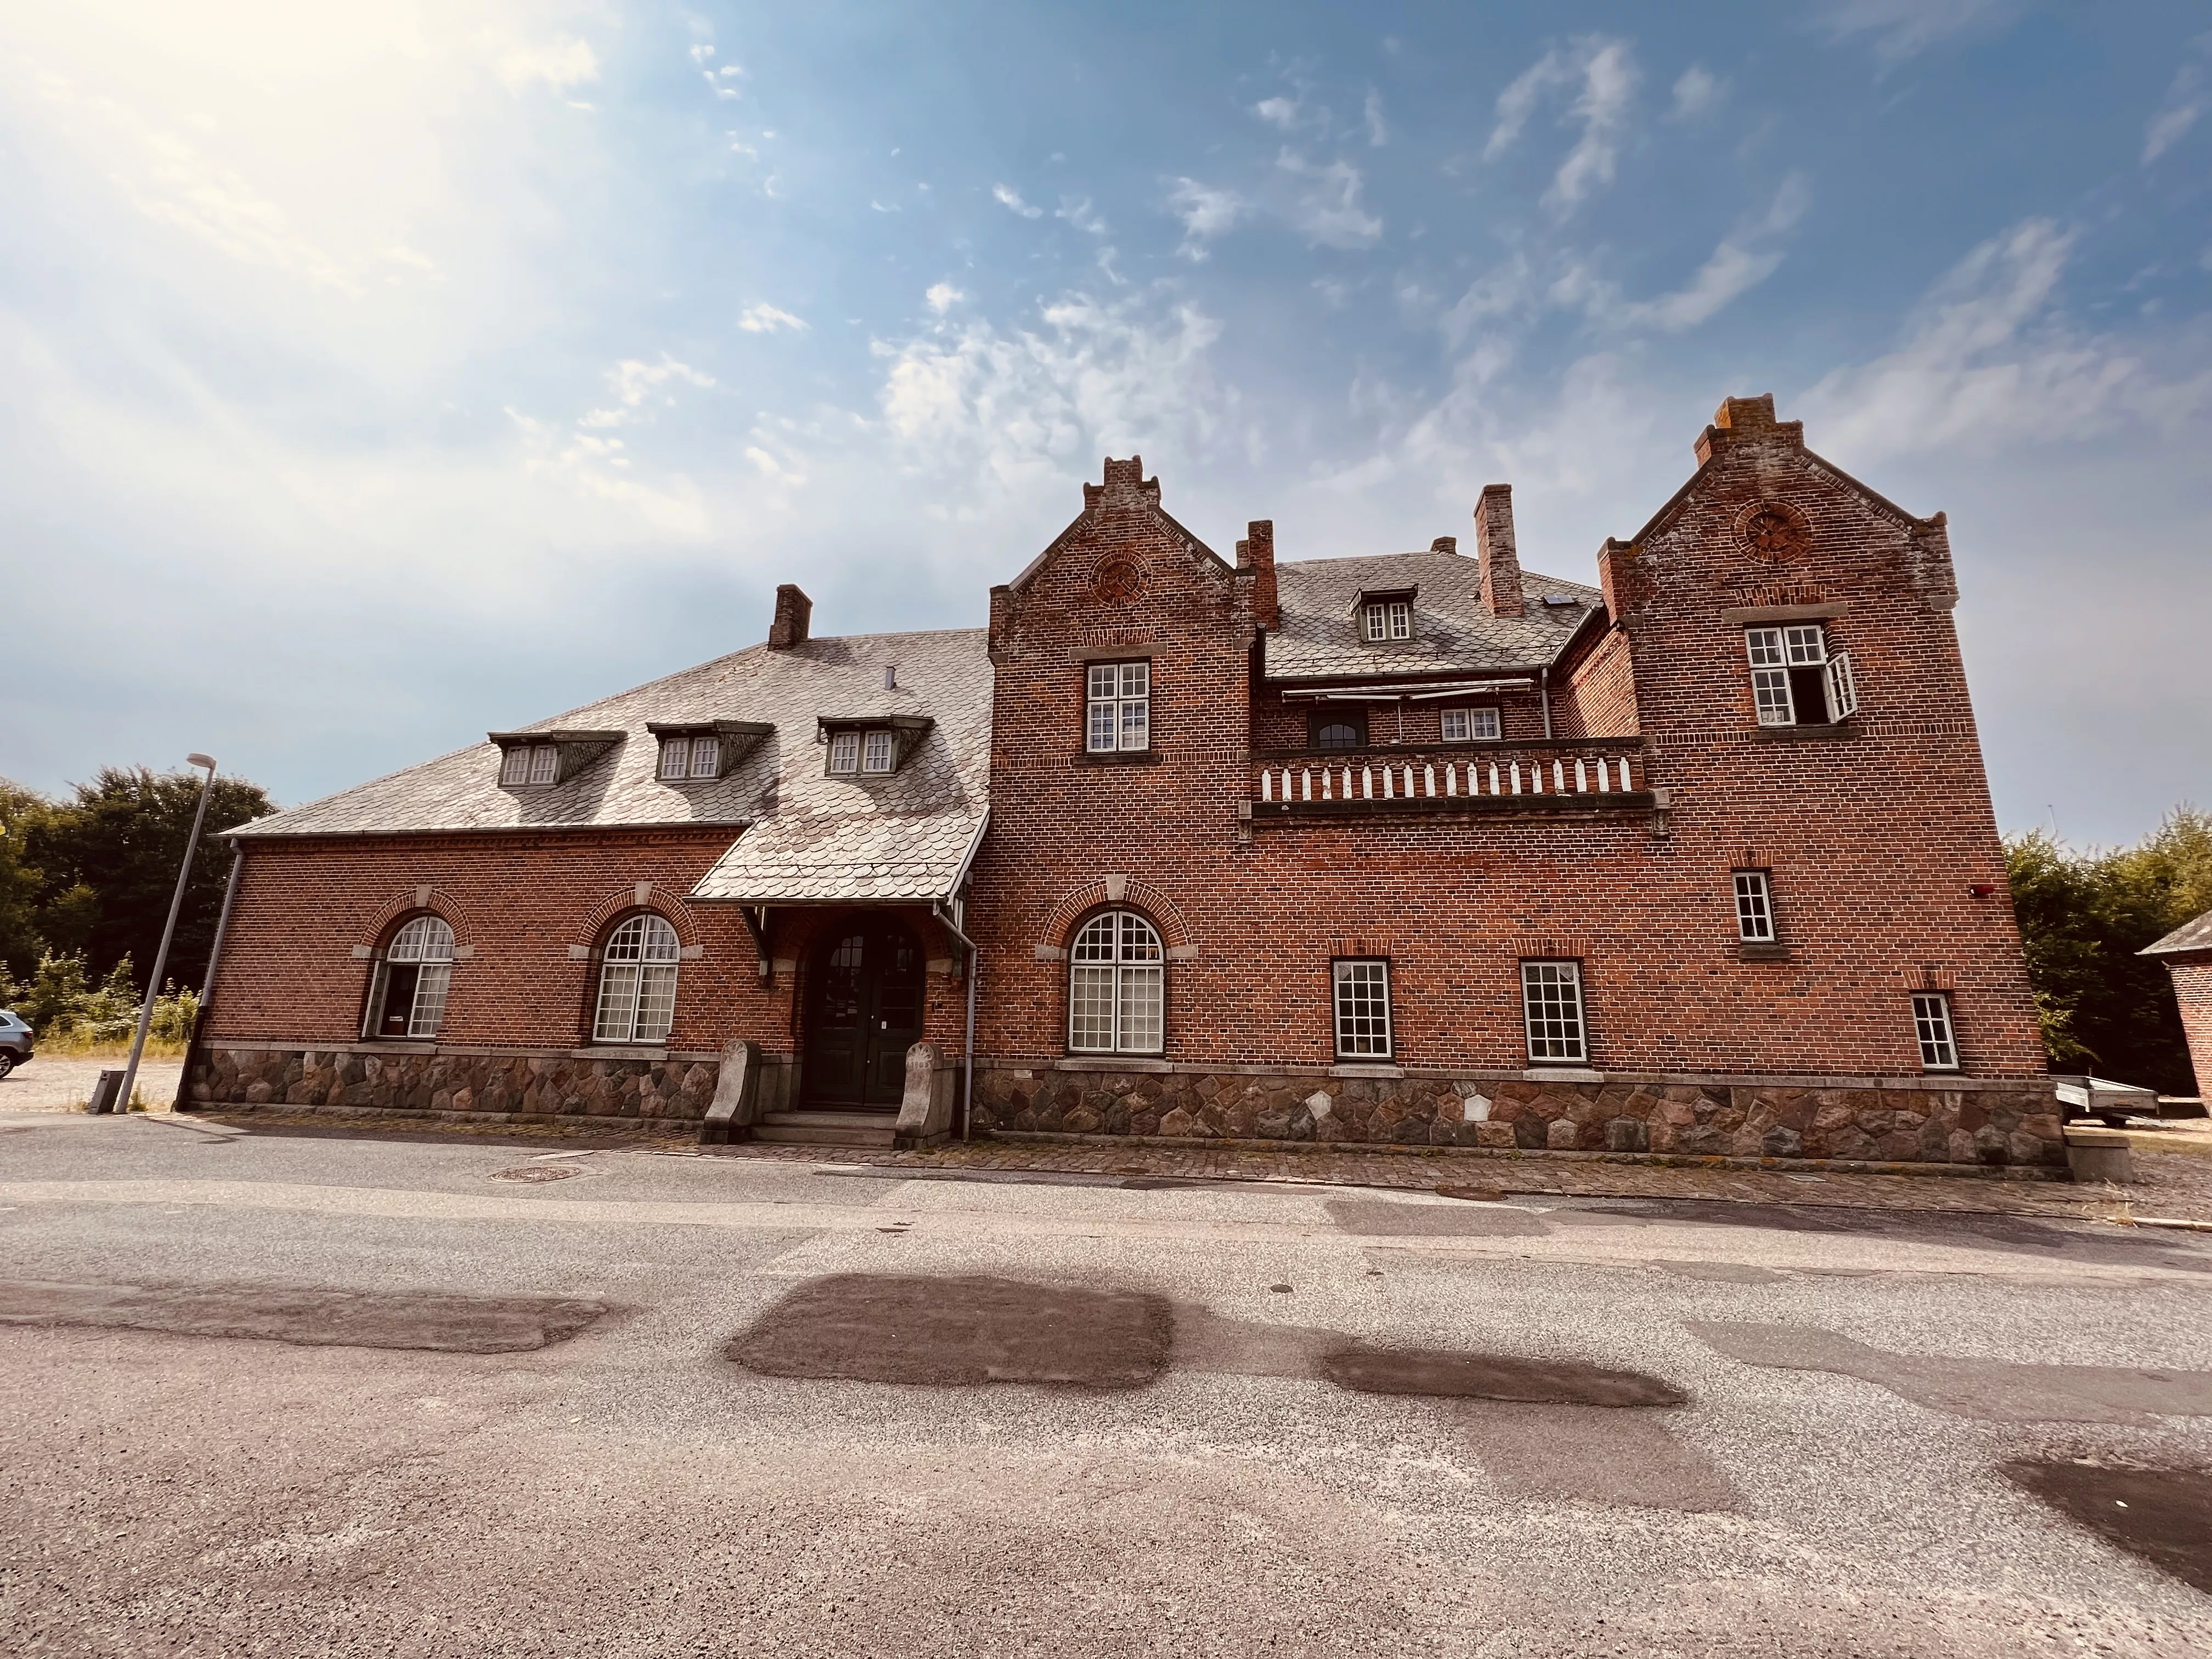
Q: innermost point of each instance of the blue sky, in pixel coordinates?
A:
(371, 377)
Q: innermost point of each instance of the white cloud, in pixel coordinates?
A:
(765, 318)
(1278, 111)
(1378, 131)
(560, 63)
(1080, 214)
(1605, 71)
(942, 297)
(2185, 104)
(1989, 360)
(1009, 199)
(633, 381)
(1206, 211)
(1327, 209)
(1904, 28)
(1698, 90)
(1740, 263)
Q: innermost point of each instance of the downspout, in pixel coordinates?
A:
(207, 986)
(1544, 691)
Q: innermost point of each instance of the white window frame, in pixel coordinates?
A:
(1774, 650)
(1843, 687)
(427, 942)
(1386, 621)
(878, 751)
(1474, 725)
(1770, 677)
(1117, 707)
(1754, 907)
(637, 982)
(693, 755)
(1358, 986)
(529, 765)
(1117, 987)
(844, 754)
(1933, 1027)
(1553, 1014)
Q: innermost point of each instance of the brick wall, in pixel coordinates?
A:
(1598, 699)
(2192, 990)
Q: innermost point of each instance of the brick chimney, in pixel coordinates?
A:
(1495, 550)
(1444, 544)
(1256, 553)
(794, 610)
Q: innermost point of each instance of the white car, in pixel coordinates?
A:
(15, 1041)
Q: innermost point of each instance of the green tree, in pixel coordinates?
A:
(21, 943)
(2084, 917)
(108, 862)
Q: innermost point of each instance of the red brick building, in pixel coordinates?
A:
(1424, 848)
(2187, 953)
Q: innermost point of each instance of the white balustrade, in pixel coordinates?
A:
(1433, 779)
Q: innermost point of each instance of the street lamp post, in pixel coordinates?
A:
(168, 932)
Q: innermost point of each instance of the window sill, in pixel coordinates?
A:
(1777, 951)
(393, 1045)
(1119, 757)
(1366, 1068)
(1562, 1074)
(1804, 733)
(622, 1051)
(1111, 1063)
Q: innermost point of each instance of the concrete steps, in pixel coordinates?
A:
(827, 1128)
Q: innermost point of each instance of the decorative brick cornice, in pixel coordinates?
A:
(642, 895)
(1138, 895)
(415, 900)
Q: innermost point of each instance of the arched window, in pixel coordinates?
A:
(1116, 991)
(1340, 728)
(637, 982)
(407, 995)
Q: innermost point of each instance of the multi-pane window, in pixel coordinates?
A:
(1795, 681)
(1363, 1010)
(1552, 1003)
(1117, 709)
(1389, 619)
(1754, 907)
(530, 763)
(1117, 986)
(637, 982)
(844, 751)
(407, 996)
(879, 752)
(690, 757)
(1469, 725)
(1340, 729)
(873, 751)
(1931, 1024)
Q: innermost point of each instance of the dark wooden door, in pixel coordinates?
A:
(863, 1013)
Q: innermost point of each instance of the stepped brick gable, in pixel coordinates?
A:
(1420, 847)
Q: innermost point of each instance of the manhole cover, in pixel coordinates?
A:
(537, 1172)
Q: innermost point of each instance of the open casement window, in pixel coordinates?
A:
(1117, 986)
(637, 982)
(1117, 707)
(1363, 1009)
(1931, 1024)
(1384, 620)
(1552, 1004)
(1795, 681)
(523, 766)
(407, 993)
(1468, 725)
(683, 757)
(1754, 907)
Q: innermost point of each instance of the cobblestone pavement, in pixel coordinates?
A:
(2176, 1184)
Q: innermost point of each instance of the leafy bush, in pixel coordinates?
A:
(71, 1015)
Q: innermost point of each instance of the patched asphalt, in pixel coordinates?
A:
(1079, 1417)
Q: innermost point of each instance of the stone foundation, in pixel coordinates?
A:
(1900, 1120)
(532, 1085)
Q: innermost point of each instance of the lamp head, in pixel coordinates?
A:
(207, 761)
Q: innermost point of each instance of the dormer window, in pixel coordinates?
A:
(690, 757)
(862, 749)
(1385, 620)
(523, 766)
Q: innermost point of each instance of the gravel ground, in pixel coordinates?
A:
(51, 1084)
(1858, 1384)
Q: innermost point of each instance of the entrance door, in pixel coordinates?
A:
(864, 1012)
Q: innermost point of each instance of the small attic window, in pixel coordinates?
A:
(866, 748)
(523, 766)
(690, 757)
(1384, 620)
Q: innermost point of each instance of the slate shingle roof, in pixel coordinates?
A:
(805, 835)
(2189, 936)
(1454, 631)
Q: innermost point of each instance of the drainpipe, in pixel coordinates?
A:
(1544, 691)
(968, 1057)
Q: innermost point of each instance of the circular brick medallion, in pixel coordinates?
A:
(1117, 582)
(1774, 532)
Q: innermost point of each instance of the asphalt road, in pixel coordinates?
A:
(291, 1392)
